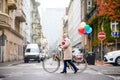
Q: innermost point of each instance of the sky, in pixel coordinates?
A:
(53, 3)
(52, 12)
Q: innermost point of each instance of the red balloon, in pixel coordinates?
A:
(81, 31)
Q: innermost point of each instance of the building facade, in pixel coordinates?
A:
(26, 27)
(74, 20)
(11, 18)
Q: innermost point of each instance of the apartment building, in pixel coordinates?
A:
(11, 39)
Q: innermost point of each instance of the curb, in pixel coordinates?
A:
(15, 63)
(10, 63)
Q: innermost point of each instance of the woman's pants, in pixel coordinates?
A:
(71, 64)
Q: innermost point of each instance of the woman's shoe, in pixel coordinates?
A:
(76, 71)
(63, 72)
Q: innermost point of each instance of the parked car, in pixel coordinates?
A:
(32, 53)
(113, 57)
(76, 52)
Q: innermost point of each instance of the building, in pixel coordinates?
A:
(32, 29)
(19, 25)
(26, 27)
(65, 22)
(74, 20)
(36, 25)
(107, 26)
(11, 39)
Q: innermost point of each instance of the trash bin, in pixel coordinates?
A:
(91, 58)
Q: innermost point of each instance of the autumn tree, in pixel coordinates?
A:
(108, 9)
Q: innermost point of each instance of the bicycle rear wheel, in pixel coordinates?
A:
(81, 64)
(51, 65)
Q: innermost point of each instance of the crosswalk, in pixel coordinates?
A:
(36, 66)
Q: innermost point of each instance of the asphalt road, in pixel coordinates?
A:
(34, 71)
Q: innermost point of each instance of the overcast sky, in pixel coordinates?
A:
(52, 12)
(53, 3)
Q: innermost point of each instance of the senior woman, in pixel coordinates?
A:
(67, 50)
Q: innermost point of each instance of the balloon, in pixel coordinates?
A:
(85, 32)
(81, 31)
(82, 24)
(87, 27)
(90, 30)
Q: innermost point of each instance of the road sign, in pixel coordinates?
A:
(101, 35)
(115, 34)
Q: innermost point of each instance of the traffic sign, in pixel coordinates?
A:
(115, 34)
(101, 35)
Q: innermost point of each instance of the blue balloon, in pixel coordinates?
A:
(89, 31)
(87, 27)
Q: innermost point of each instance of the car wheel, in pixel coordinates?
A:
(38, 60)
(118, 61)
(26, 60)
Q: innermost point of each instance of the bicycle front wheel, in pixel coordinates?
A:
(51, 65)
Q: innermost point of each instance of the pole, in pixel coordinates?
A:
(101, 51)
(84, 44)
(116, 43)
(2, 54)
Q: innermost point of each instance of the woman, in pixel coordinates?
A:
(67, 50)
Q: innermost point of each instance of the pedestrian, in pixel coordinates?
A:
(67, 50)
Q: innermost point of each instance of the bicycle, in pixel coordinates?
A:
(52, 63)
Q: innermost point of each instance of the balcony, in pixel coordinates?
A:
(20, 15)
(12, 4)
(4, 20)
(91, 12)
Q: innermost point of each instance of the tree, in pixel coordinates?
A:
(108, 9)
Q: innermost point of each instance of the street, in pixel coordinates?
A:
(34, 71)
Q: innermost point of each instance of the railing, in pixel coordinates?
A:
(91, 12)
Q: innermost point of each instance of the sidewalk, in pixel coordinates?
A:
(101, 63)
(10, 63)
(106, 69)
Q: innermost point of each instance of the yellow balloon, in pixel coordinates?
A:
(82, 24)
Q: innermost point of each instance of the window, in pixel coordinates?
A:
(32, 50)
(0, 5)
(114, 25)
(89, 5)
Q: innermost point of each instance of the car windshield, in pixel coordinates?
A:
(32, 50)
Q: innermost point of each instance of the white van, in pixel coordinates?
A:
(32, 53)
